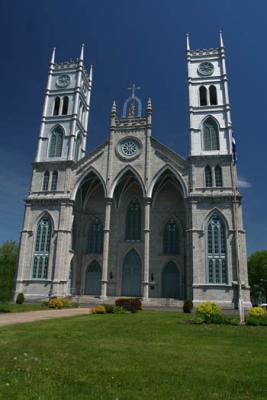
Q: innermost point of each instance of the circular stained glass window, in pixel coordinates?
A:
(129, 148)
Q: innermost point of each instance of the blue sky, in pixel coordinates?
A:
(141, 41)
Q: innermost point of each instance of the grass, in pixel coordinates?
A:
(148, 355)
(14, 308)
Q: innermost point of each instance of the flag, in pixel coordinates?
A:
(234, 153)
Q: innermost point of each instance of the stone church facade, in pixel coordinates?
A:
(134, 218)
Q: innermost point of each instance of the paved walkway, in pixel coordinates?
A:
(30, 316)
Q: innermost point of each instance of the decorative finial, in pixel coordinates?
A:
(187, 42)
(53, 56)
(82, 51)
(221, 39)
(114, 108)
(91, 73)
(149, 105)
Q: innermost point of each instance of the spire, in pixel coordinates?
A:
(187, 42)
(53, 56)
(113, 115)
(221, 39)
(114, 108)
(91, 73)
(82, 51)
(149, 106)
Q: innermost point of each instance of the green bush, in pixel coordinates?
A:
(188, 306)
(109, 308)
(120, 310)
(4, 308)
(210, 313)
(256, 312)
(257, 321)
(132, 304)
(20, 298)
(8, 257)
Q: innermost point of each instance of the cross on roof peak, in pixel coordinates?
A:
(133, 89)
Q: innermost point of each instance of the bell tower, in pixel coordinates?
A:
(63, 131)
(209, 108)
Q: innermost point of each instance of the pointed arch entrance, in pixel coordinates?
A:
(93, 279)
(131, 275)
(171, 281)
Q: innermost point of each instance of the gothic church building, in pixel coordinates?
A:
(134, 218)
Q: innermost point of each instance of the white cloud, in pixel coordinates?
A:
(243, 183)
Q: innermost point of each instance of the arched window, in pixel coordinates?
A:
(71, 288)
(171, 238)
(203, 96)
(56, 106)
(213, 95)
(218, 176)
(46, 181)
(96, 237)
(77, 151)
(216, 250)
(54, 181)
(42, 249)
(210, 135)
(65, 105)
(56, 142)
(208, 176)
(133, 221)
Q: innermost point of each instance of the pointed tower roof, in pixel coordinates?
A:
(82, 53)
(187, 42)
(221, 39)
(53, 56)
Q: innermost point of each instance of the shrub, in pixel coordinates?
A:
(20, 298)
(109, 308)
(55, 303)
(188, 306)
(129, 304)
(120, 310)
(210, 312)
(4, 308)
(98, 310)
(256, 312)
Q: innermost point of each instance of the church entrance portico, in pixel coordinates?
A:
(131, 275)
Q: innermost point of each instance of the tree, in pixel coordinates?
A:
(257, 275)
(8, 259)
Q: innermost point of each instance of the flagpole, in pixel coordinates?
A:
(236, 233)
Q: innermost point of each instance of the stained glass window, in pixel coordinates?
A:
(218, 176)
(171, 238)
(210, 135)
(208, 176)
(96, 237)
(42, 249)
(46, 181)
(133, 221)
(216, 250)
(54, 181)
(56, 142)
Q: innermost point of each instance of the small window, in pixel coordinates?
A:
(65, 105)
(56, 106)
(203, 95)
(208, 176)
(54, 181)
(46, 181)
(213, 95)
(218, 176)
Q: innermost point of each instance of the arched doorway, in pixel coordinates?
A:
(171, 281)
(93, 279)
(131, 275)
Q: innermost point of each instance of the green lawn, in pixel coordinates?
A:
(148, 355)
(13, 308)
